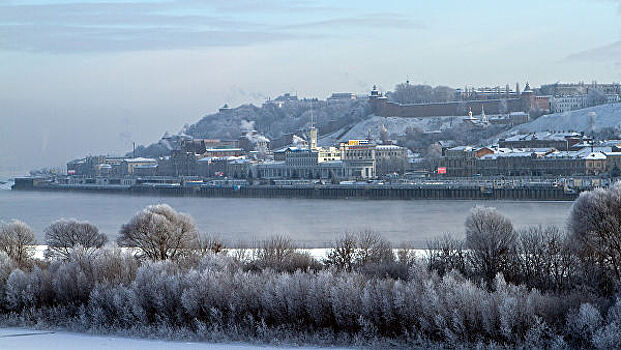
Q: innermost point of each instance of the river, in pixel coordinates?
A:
(312, 223)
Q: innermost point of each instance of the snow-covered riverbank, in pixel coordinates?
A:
(27, 339)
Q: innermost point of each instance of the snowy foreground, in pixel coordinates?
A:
(27, 339)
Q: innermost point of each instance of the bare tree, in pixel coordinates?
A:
(280, 254)
(373, 248)
(160, 233)
(545, 258)
(356, 250)
(63, 236)
(445, 254)
(595, 223)
(275, 249)
(208, 244)
(343, 255)
(491, 240)
(17, 241)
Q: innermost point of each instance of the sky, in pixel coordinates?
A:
(82, 77)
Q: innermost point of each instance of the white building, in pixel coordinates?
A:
(568, 103)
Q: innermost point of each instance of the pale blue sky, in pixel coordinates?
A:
(80, 77)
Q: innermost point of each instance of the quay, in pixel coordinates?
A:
(466, 190)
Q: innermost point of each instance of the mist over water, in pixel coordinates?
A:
(311, 223)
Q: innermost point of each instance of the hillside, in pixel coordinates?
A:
(272, 121)
(395, 126)
(589, 120)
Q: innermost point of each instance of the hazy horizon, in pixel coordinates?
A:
(84, 77)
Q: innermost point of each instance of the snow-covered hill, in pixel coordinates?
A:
(588, 120)
(394, 125)
(272, 121)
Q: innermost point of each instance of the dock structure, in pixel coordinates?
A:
(414, 191)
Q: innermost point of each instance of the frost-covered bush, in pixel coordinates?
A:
(545, 259)
(63, 236)
(369, 253)
(446, 254)
(160, 233)
(109, 292)
(491, 241)
(279, 253)
(541, 293)
(17, 241)
(7, 265)
(595, 222)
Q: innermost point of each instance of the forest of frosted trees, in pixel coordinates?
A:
(499, 287)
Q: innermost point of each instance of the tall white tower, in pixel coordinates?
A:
(312, 132)
(313, 138)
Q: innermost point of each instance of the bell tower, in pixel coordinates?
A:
(312, 132)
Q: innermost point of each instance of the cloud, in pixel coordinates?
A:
(57, 26)
(611, 52)
(131, 26)
(376, 21)
(74, 39)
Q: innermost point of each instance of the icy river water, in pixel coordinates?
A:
(311, 223)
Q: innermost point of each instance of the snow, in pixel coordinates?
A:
(140, 160)
(598, 117)
(543, 135)
(27, 339)
(5, 185)
(595, 156)
(317, 253)
(394, 126)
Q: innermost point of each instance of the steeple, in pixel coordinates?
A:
(374, 91)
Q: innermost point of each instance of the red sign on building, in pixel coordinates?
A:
(441, 170)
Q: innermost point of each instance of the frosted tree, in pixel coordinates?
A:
(595, 222)
(63, 236)
(17, 241)
(160, 233)
(343, 255)
(491, 240)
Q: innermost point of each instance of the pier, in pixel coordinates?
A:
(413, 191)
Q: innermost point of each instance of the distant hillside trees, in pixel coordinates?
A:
(406, 93)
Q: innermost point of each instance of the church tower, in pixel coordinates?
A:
(312, 132)
(313, 137)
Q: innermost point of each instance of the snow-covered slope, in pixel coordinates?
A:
(587, 120)
(396, 127)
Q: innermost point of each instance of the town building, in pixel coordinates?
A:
(390, 159)
(546, 161)
(130, 165)
(562, 141)
(341, 97)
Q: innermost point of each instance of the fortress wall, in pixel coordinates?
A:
(385, 108)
